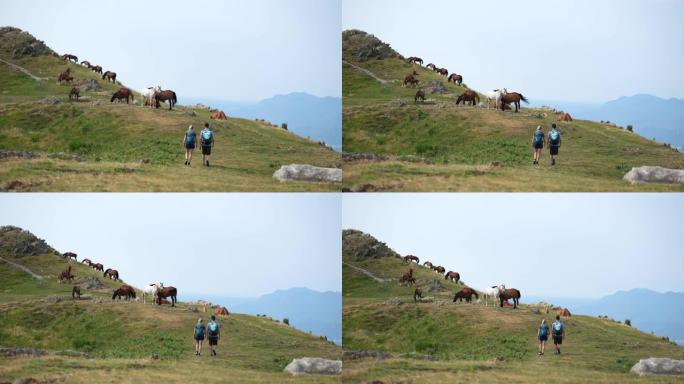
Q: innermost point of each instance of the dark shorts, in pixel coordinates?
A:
(206, 149)
(199, 337)
(189, 145)
(213, 340)
(557, 339)
(538, 146)
(554, 149)
(543, 338)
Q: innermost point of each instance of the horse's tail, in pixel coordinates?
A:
(518, 292)
(523, 99)
(175, 100)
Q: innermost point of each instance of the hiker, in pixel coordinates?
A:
(554, 142)
(189, 143)
(543, 335)
(558, 333)
(200, 330)
(214, 330)
(537, 143)
(207, 141)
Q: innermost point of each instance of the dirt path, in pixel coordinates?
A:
(365, 272)
(22, 69)
(39, 277)
(367, 72)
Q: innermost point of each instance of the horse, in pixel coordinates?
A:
(506, 294)
(411, 258)
(65, 76)
(457, 79)
(442, 71)
(65, 275)
(409, 79)
(512, 97)
(75, 292)
(126, 291)
(416, 60)
(151, 289)
(417, 294)
(87, 261)
(97, 266)
(166, 95)
(218, 115)
(492, 291)
(565, 117)
(67, 57)
(467, 294)
(453, 276)
(122, 93)
(96, 69)
(109, 75)
(428, 264)
(148, 96)
(163, 293)
(439, 269)
(86, 63)
(494, 95)
(111, 273)
(70, 255)
(419, 95)
(431, 66)
(468, 97)
(408, 277)
(74, 93)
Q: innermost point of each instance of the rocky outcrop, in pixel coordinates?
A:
(314, 366)
(658, 366)
(20, 44)
(17, 242)
(648, 174)
(351, 156)
(89, 282)
(355, 355)
(363, 46)
(7, 153)
(361, 246)
(436, 86)
(90, 85)
(310, 173)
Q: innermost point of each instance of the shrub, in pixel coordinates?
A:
(630, 128)
(628, 322)
(283, 126)
(286, 321)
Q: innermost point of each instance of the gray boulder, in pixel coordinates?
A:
(648, 174)
(314, 366)
(658, 366)
(90, 282)
(89, 85)
(305, 172)
(436, 86)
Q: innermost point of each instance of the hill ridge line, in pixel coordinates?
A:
(35, 276)
(22, 69)
(367, 72)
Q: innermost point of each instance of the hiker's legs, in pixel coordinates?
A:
(189, 155)
(543, 347)
(199, 347)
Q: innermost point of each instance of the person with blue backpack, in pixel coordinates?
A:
(199, 332)
(543, 336)
(537, 143)
(558, 329)
(207, 142)
(554, 143)
(214, 330)
(189, 143)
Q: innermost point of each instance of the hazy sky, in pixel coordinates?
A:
(227, 50)
(228, 244)
(584, 50)
(572, 245)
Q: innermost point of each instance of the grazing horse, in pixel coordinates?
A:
(163, 293)
(151, 290)
(111, 273)
(492, 291)
(65, 76)
(76, 292)
(467, 294)
(468, 97)
(166, 95)
(97, 266)
(148, 96)
(65, 275)
(415, 60)
(442, 71)
(96, 69)
(419, 95)
(408, 277)
(122, 93)
(506, 294)
(457, 79)
(453, 276)
(565, 117)
(409, 79)
(67, 57)
(218, 115)
(439, 269)
(431, 66)
(512, 97)
(70, 255)
(74, 93)
(109, 75)
(411, 258)
(87, 261)
(417, 294)
(86, 63)
(125, 291)
(428, 264)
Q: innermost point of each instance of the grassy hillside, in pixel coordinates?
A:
(438, 341)
(438, 146)
(95, 145)
(96, 339)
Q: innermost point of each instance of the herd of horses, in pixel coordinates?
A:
(501, 97)
(158, 291)
(151, 96)
(499, 292)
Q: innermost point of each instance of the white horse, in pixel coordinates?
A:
(148, 95)
(493, 292)
(494, 95)
(151, 289)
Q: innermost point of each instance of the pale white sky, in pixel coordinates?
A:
(229, 244)
(224, 50)
(580, 50)
(545, 244)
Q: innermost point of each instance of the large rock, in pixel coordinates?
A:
(436, 86)
(658, 366)
(363, 46)
(314, 366)
(361, 246)
(305, 172)
(90, 85)
(20, 44)
(89, 282)
(17, 242)
(648, 174)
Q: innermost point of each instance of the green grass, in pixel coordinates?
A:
(113, 140)
(457, 142)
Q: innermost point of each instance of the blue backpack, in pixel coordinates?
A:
(554, 136)
(544, 330)
(207, 136)
(557, 328)
(538, 137)
(190, 137)
(213, 328)
(199, 330)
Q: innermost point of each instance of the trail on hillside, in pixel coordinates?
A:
(35, 276)
(367, 72)
(365, 272)
(22, 69)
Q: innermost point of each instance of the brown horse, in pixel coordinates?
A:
(165, 292)
(439, 269)
(97, 266)
(76, 292)
(166, 95)
(467, 294)
(69, 255)
(457, 79)
(86, 63)
(67, 57)
(65, 275)
(512, 97)
(411, 258)
(111, 273)
(65, 76)
(96, 69)
(416, 60)
(74, 93)
(428, 264)
(442, 71)
(510, 293)
(410, 79)
(110, 76)
(408, 277)
(125, 291)
(87, 261)
(419, 95)
(453, 276)
(417, 294)
(219, 115)
(122, 93)
(431, 66)
(468, 97)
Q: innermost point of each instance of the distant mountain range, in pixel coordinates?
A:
(651, 116)
(307, 310)
(649, 311)
(319, 118)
